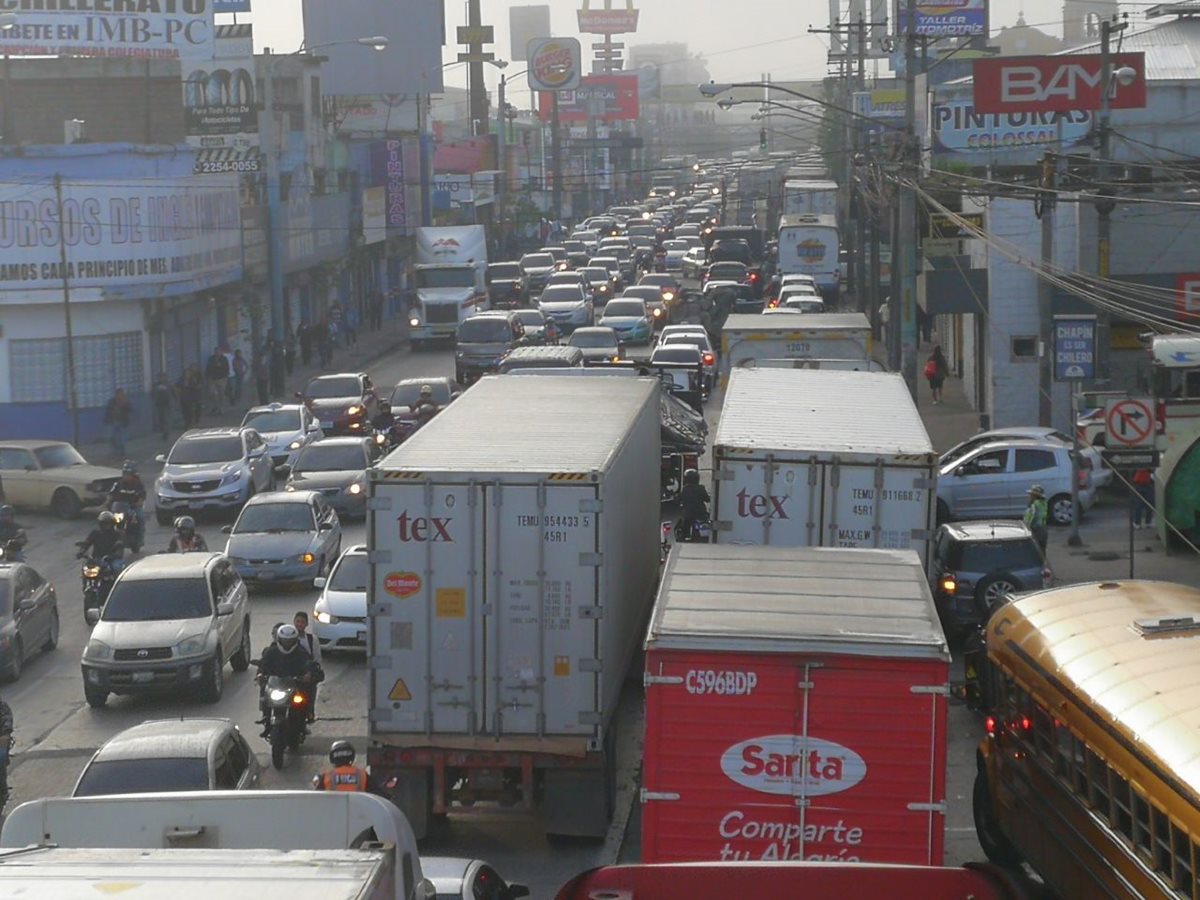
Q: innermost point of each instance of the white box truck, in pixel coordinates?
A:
(513, 550)
(747, 339)
(450, 269)
(820, 458)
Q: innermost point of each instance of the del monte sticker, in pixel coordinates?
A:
(402, 584)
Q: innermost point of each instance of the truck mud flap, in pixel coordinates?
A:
(575, 802)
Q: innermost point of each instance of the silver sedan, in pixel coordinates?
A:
(336, 468)
(284, 536)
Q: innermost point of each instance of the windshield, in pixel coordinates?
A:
(198, 451)
(574, 247)
(144, 775)
(676, 246)
(320, 457)
(649, 294)
(537, 261)
(504, 270)
(531, 318)
(593, 339)
(726, 270)
(625, 308)
(273, 420)
(157, 600)
(484, 330)
(445, 278)
(58, 456)
(333, 388)
(350, 574)
(273, 518)
(561, 294)
(595, 274)
(408, 394)
(608, 263)
(658, 280)
(988, 556)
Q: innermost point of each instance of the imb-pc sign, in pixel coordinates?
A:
(1035, 84)
(160, 29)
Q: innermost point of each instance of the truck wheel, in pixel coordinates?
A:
(995, 845)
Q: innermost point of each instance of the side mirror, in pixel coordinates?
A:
(161, 457)
(314, 425)
(225, 609)
(226, 529)
(960, 471)
(91, 615)
(326, 526)
(320, 581)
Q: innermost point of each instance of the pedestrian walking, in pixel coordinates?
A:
(1142, 498)
(216, 374)
(305, 338)
(351, 326)
(191, 396)
(262, 376)
(936, 370)
(278, 367)
(240, 369)
(229, 382)
(161, 396)
(1036, 514)
(117, 415)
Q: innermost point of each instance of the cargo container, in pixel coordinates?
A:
(795, 708)
(823, 458)
(514, 549)
(786, 335)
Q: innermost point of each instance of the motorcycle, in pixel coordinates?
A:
(674, 463)
(97, 577)
(699, 533)
(131, 523)
(286, 714)
(11, 551)
(5, 760)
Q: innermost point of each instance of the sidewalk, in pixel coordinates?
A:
(371, 347)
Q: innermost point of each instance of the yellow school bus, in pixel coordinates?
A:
(1090, 770)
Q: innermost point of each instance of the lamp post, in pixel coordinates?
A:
(8, 21)
(270, 141)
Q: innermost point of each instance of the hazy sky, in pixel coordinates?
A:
(740, 39)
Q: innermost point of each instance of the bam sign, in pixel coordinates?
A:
(1055, 83)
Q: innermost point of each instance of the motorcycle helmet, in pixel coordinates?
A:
(384, 407)
(129, 467)
(426, 392)
(106, 520)
(287, 638)
(691, 476)
(341, 753)
(7, 513)
(185, 525)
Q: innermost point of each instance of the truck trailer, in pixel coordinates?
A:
(747, 338)
(795, 708)
(513, 551)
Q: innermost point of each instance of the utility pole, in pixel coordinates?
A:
(502, 147)
(556, 158)
(1104, 207)
(1046, 294)
(857, 207)
(72, 393)
(905, 316)
(478, 90)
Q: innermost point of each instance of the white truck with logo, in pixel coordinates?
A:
(810, 245)
(822, 458)
(513, 552)
(750, 341)
(450, 281)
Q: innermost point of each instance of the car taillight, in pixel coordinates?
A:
(1047, 577)
(948, 584)
(1085, 477)
(754, 276)
(990, 724)
(773, 304)
(709, 359)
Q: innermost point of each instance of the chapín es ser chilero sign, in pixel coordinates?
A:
(164, 29)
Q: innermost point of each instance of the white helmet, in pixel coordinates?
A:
(287, 638)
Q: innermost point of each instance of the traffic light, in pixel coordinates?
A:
(762, 139)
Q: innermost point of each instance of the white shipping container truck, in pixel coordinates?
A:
(513, 553)
(822, 458)
(747, 338)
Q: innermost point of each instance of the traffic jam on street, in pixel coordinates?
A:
(700, 489)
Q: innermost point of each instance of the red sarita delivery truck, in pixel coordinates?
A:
(795, 708)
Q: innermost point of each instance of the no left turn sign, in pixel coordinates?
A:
(1130, 423)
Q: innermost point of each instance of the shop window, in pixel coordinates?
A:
(37, 371)
(1024, 348)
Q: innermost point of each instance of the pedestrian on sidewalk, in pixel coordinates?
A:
(936, 370)
(216, 373)
(352, 326)
(162, 395)
(1036, 514)
(117, 416)
(304, 336)
(278, 366)
(1142, 498)
(262, 376)
(191, 396)
(240, 368)
(229, 383)
(335, 321)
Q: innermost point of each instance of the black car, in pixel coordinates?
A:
(28, 616)
(505, 284)
(975, 566)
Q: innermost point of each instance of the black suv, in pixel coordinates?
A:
(974, 566)
(482, 340)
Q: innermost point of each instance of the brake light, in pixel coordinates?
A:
(1026, 724)
(709, 359)
(1047, 577)
(1085, 477)
(948, 584)
(754, 276)
(990, 724)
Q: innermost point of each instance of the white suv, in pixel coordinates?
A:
(212, 469)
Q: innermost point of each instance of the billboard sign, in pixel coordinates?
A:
(959, 127)
(374, 214)
(185, 230)
(390, 159)
(554, 64)
(1038, 84)
(219, 107)
(608, 20)
(524, 24)
(944, 18)
(886, 105)
(1074, 347)
(617, 93)
(372, 114)
(154, 30)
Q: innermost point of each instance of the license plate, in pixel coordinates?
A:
(143, 677)
(264, 575)
(362, 636)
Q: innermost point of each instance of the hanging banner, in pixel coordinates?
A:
(219, 105)
(390, 160)
(179, 29)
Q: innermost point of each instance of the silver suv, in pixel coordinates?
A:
(212, 469)
(170, 624)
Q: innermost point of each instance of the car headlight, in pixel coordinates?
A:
(355, 489)
(97, 650)
(668, 295)
(603, 288)
(354, 410)
(232, 477)
(295, 445)
(657, 312)
(192, 646)
(414, 322)
(306, 559)
(325, 618)
(91, 571)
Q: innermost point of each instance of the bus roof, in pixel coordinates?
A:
(1128, 650)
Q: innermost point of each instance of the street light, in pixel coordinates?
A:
(377, 42)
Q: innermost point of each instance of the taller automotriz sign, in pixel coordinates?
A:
(943, 18)
(1055, 83)
(164, 29)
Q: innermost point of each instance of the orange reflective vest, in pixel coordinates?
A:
(343, 778)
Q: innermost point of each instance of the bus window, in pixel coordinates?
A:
(1098, 782)
(1182, 845)
(1124, 810)
(1080, 768)
(1062, 761)
(1141, 823)
(1162, 840)
(1043, 732)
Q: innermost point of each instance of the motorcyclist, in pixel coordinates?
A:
(6, 741)
(286, 658)
(384, 419)
(130, 491)
(186, 539)
(426, 407)
(12, 536)
(104, 540)
(693, 502)
(345, 775)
